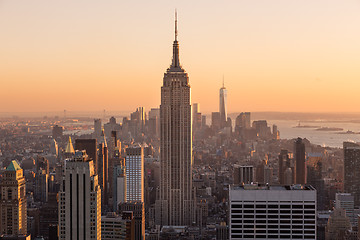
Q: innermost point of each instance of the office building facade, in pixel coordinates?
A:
(134, 163)
(243, 174)
(13, 208)
(352, 170)
(80, 200)
(272, 212)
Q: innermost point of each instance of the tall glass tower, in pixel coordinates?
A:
(175, 205)
(222, 105)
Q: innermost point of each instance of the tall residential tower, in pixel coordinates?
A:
(175, 205)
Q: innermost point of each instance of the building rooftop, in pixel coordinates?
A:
(69, 147)
(13, 166)
(256, 186)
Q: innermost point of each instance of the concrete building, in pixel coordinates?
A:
(215, 121)
(13, 208)
(196, 116)
(351, 170)
(97, 128)
(346, 202)
(337, 226)
(154, 121)
(272, 212)
(41, 186)
(263, 131)
(119, 186)
(113, 227)
(222, 231)
(264, 172)
(54, 148)
(80, 200)
(285, 165)
(243, 120)
(103, 167)
(57, 131)
(134, 162)
(48, 215)
(243, 174)
(128, 216)
(299, 154)
(138, 213)
(176, 204)
(90, 146)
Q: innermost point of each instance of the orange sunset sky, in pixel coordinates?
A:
(89, 55)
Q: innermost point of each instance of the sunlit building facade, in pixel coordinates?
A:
(80, 200)
(13, 219)
(175, 205)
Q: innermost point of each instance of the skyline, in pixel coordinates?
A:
(98, 51)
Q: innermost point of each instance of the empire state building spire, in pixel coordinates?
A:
(175, 61)
(176, 200)
(176, 33)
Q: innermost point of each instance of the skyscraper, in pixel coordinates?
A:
(242, 121)
(176, 203)
(351, 170)
(300, 174)
(243, 174)
(97, 128)
(119, 186)
(138, 210)
(13, 201)
(196, 116)
(285, 166)
(222, 105)
(90, 146)
(113, 227)
(154, 122)
(135, 174)
(272, 212)
(215, 121)
(41, 186)
(346, 202)
(103, 170)
(80, 200)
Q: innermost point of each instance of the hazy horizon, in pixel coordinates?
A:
(257, 115)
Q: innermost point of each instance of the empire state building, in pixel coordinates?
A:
(175, 205)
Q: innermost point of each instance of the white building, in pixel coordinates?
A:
(134, 168)
(119, 186)
(80, 200)
(272, 212)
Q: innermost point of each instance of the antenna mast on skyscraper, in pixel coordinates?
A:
(176, 33)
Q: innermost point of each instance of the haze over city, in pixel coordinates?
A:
(171, 120)
(287, 56)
